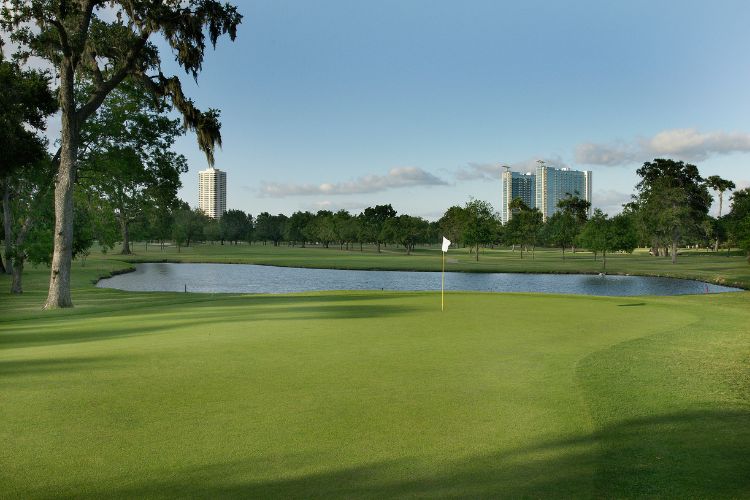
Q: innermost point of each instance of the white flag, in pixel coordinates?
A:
(446, 244)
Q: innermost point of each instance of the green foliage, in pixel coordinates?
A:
(407, 231)
(602, 234)
(127, 158)
(524, 228)
(560, 230)
(738, 220)
(270, 227)
(80, 41)
(480, 224)
(188, 226)
(295, 230)
(453, 224)
(25, 102)
(235, 225)
(672, 202)
(373, 221)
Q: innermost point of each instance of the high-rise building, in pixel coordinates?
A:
(516, 185)
(554, 184)
(212, 192)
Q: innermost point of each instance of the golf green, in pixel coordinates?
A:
(373, 395)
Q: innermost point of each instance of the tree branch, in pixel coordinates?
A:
(104, 88)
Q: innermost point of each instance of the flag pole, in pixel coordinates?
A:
(446, 244)
(442, 286)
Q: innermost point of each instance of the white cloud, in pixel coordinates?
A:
(680, 144)
(395, 178)
(693, 145)
(605, 154)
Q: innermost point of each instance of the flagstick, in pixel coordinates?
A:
(442, 286)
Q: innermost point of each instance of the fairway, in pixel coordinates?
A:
(374, 394)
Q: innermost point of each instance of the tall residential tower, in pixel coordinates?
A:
(543, 189)
(554, 184)
(212, 192)
(516, 185)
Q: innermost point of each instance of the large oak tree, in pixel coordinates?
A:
(107, 41)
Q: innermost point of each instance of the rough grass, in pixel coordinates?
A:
(372, 395)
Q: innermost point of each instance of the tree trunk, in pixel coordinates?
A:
(477, 252)
(8, 225)
(674, 251)
(563, 250)
(378, 247)
(16, 286)
(62, 256)
(604, 258)
(125, 226)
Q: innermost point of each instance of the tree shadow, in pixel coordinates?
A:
(203, 314)
(696, 454)
(44, 367)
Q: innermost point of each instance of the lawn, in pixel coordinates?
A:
(372, 394)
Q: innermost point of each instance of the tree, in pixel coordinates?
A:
(234, 226)
(212, 231)
(594, 234)
(672, 201)
(349, 230)
(453, 223)
(82, 44)
(296, 226)
(188, 226)
(602, 234)
(25, 102)
(738, 220)
(560, 230)
(270, 227)
(578, 208)
(374, 221)
(406, 231)
(125, 155)
(340, 221)
(322, 228)
(479, 228)
(720, 186)
(263, 229)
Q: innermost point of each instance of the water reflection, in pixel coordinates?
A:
(246, 278)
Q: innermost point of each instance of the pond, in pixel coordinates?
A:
(247, 278)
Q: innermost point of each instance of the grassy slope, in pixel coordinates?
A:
(372, 394)
(722, 269)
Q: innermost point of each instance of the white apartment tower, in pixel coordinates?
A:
(554, 184)
(212, 192)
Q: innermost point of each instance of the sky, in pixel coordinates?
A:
(347, 104)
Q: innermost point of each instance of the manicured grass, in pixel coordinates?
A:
(372, 395)
(722, 268)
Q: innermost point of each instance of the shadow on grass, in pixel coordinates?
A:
(202, 316)
(692, 454)
(43, 367)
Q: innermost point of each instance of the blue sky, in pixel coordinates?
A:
(342, 104)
